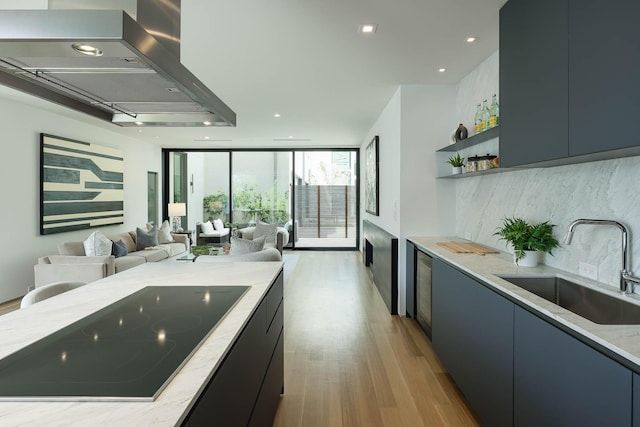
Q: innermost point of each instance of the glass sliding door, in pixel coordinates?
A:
(152, 197)
(313, 193)
(261, 187)
(326, 199)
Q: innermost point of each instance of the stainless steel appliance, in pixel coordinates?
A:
(423, 291)
(102, 61)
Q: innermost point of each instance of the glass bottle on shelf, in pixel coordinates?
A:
(484, 116)
(477, 119)
(494, 112)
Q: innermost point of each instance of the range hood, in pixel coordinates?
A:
(137, 79)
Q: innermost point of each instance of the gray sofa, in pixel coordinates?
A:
(71, 263)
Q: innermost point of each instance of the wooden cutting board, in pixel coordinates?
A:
(467, 248)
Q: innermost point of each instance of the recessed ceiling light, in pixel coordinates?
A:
(276, 115)
(367, 28)
(206, 137)
(139, 123)
(290, 136)
(442, 70)
(86, 49)
(471, 39)
(207, 123)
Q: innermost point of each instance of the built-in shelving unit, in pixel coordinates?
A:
(477, 173)
(476, 139)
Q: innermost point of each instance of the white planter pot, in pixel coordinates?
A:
(530, 259)
(456, 170)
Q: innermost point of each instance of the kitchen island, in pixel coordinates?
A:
(543, 364)
(181, 397)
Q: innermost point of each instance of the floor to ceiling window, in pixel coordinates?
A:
(261, 184)
(326, 198)
(313, 194)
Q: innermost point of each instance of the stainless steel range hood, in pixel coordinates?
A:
(138, 79)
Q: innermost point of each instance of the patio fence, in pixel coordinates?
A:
(326, 211)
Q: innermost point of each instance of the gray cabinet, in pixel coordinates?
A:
(560, 381)
(568, 81)
(604, 67)
(533, 81)
(473, 336)
(245, 389)
(636, 400)
(410, 266)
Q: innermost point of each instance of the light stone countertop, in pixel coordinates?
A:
(24, 326)
(621, 341)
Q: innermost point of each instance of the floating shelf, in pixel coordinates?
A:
(478, 173)
(476, 139)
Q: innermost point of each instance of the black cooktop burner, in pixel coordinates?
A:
(128, 350)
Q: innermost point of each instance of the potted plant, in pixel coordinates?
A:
(201, 250)
(527, 239)
(456, 163)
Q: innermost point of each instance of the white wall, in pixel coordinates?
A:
(388, 128)
(428, 204)
(20, 181)
(603, 190)
(415, 123)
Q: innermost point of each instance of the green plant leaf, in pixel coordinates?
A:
(527, 237)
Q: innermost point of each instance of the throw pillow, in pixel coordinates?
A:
(245, 246)
(164, 232)
(97, 244)
(267, 230)
(207, 228)
(146, 239)
(218, 224)
(119, 249)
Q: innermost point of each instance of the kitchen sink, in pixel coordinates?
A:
(586, 302)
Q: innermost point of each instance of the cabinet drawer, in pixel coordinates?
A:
(560, 381)
(274, 299)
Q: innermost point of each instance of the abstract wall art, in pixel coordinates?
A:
(81, 185)
(372, 180)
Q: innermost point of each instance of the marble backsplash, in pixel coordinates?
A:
(601, 190)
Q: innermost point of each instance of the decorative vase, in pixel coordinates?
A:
(461, 133)
(530, 259)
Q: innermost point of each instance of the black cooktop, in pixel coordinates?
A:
(128, 350)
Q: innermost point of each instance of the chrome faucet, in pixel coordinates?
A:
(625, 273)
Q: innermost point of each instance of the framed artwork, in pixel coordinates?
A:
(372, 178)
(81, 185)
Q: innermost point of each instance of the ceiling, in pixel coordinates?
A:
(306, 60)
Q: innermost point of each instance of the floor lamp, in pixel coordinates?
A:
(176, 211)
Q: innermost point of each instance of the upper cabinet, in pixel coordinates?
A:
(568, 72)
(533, 81)
(604, 68)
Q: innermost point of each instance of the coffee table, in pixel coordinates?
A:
(213, 252)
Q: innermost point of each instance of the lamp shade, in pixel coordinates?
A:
(177, 209)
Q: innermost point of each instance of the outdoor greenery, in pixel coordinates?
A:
(268, 207)
(527, 237)
(215, 205)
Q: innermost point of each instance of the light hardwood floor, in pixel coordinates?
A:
(349, 363)
(9, 306)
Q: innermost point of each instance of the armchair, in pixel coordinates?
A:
(282, 237)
